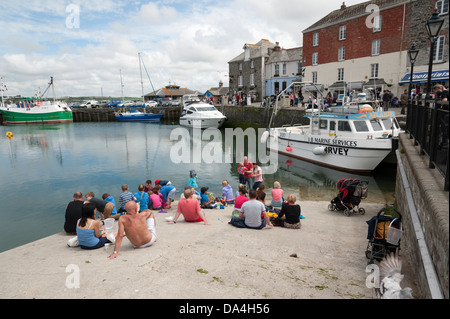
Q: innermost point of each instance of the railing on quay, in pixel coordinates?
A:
(427, 124)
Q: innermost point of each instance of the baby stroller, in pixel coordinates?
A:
(351, 192)
(384, 235)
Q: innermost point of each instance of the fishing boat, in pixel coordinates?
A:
(37, 111)
(201, 115)
(353, 138)
(134, 115)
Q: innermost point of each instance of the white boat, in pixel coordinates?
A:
(37, 111)
(347, 138)
(201, 115)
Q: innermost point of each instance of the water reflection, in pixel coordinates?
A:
(42, 166)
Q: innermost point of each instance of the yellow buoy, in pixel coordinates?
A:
(9, 135)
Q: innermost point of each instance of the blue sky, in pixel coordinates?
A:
(184, 42)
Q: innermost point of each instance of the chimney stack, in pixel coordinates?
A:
(343, 6)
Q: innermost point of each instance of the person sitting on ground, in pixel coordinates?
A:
(260, 195)
(148, 187)
(156, 199)
(103, 207)
(108, 198)
(289, 216)
(239, 200)
(124, 198)
(190, 208)
(73, 213)
(89, 234)
(251, 214)
(168, 191)
(227, 192)
(140, 229)
(142, 198)
(277, 195)
(205, 200)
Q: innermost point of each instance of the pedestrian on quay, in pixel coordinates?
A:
(140, 229)
(258, 176)
(289, 216)
(73, 213)
(189, 207)
(103, 207)
(251, 214)
(248, 172)
(142, 198)
(277, 195)
(404, 101)
(89, 234)
(109, 198)
(124, 198)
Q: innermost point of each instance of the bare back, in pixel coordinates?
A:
(135, 228)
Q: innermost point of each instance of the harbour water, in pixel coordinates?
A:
(43, 165)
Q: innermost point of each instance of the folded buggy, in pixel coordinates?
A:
(351, 192)
(384, 234)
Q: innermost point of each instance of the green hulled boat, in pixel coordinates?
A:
(37, 111)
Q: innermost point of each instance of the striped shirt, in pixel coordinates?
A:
(125, 197)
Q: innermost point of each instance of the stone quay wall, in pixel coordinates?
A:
(424, 205)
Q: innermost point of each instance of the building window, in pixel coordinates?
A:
(315, 58)
(376, 47)
(299, 68)
(341, 54)
(252, 79)
(277, 69)
(252, 64)
(240, 66)
(342, 32)
(314, 77)
(377, 23)
(439, 49)
(241, 80)
(315, 39)
(442, 6)
(341, 74)
(374, 71)
(284, 69)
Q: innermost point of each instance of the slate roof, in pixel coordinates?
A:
(351, 12)
(256, 50)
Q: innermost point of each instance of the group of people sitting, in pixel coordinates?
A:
(135, 217)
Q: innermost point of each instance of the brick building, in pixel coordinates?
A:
(353, 45)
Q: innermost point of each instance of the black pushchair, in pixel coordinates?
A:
(384, 235)
(351, 192)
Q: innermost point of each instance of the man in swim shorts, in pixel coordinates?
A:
(139, 228)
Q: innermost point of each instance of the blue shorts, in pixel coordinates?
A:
(101, 242)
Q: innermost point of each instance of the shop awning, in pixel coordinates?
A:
(422, 77)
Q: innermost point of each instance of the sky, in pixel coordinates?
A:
(90, 47)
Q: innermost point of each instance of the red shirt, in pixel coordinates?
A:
(190, 209)
(248, 167)
(238, 201)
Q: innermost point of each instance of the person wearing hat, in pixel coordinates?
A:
(193, 179)
(205, 201)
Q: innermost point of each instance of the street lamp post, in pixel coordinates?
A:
(434, 26)
(412, 53)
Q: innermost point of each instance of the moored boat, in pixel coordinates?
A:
(138, 116)
(37, 111)
(353, 139)
(201, 115)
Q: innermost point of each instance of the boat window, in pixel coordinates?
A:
(344, 126)
(361, 126)
(387, 124)
(323, 124)
(204, 109)
(332, 126)
(376, 125)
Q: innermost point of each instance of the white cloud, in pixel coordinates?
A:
(186, 42)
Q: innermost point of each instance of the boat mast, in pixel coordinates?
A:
(53, 88)
(142, 82)
(121, 82)
(3, 89)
